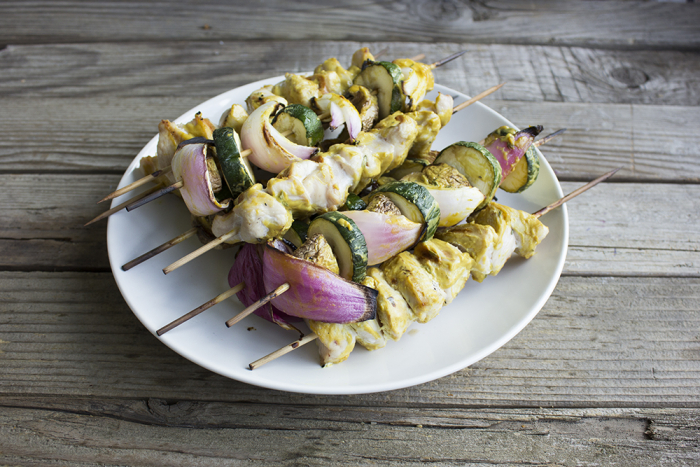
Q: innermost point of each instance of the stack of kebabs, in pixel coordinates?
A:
(372, 219)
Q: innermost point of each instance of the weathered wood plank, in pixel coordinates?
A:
(157, 433)
(203, 69)
(601, 342)
(603, 23)
(651, 143)
(657, 235)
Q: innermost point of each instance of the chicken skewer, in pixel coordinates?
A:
(174, 241)
(152, 177)
(313, 336)
(346, 156)
(450, 176)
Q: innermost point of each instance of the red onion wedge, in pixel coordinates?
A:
(315, 292)
(342, 111)
(248, 268)
(386, 234)
(271, 151)
(508, 145)
(190, 165)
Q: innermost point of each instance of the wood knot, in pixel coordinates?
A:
(630, 77)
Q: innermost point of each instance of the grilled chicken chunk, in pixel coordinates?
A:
(420, 290)
(446, 264)
(393, 312)
(234, 118)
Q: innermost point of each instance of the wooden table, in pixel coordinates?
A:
(606, 374)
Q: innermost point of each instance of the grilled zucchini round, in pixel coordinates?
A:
(346, 241)
(477, 164)
(235, 169)
(302, 121)
(415, 202)
(385, 78)
(524, 174)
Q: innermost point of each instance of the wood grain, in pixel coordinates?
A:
(201, 70)
(657, 235)
(608, 373)
(156, 432)
(602, 23)
(598, 342)
(651, 143)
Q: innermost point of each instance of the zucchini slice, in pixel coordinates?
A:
(354, 203)
(477, 164)
(415, 202)
(346, 241)
(524, 174)
(297, 233)
(236, 170)
(302, 121)
(408, 167)
(385, 78)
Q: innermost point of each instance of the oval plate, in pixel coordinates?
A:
(479, 321)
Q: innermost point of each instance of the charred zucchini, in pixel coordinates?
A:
(297, 234)
(346, 241)
(235, 169)
(384, 78)
(524, 174)
(415, 202)
(302, 121)
(477, 164)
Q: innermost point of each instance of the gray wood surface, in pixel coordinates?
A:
(608, 373)
(598, 342)
(600, 23)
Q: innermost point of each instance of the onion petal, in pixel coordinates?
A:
(456, 204)
(342, 111)
(271, 151)
(509, 148)
(386, 235)
(248, 268)
(315, 292)
(190, 165)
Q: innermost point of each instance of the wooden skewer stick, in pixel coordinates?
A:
(284, 350)
(158, 173)
(177, 185)
(214, 301)
(447, 59)
(548, 138)
(260, 302)
(477, 98)
(119, 207)
(159, 249)
(380, 53)
(201, 250)
(417, 57)
(136, 184)
(154, 175)
(155, 195)
(575, 193)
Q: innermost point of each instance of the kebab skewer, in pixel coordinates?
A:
(388, 141)
(237, 115)
(384, 220)
(337, 341)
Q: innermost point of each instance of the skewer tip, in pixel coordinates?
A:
(447, 59)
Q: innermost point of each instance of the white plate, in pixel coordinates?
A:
(480, 320)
